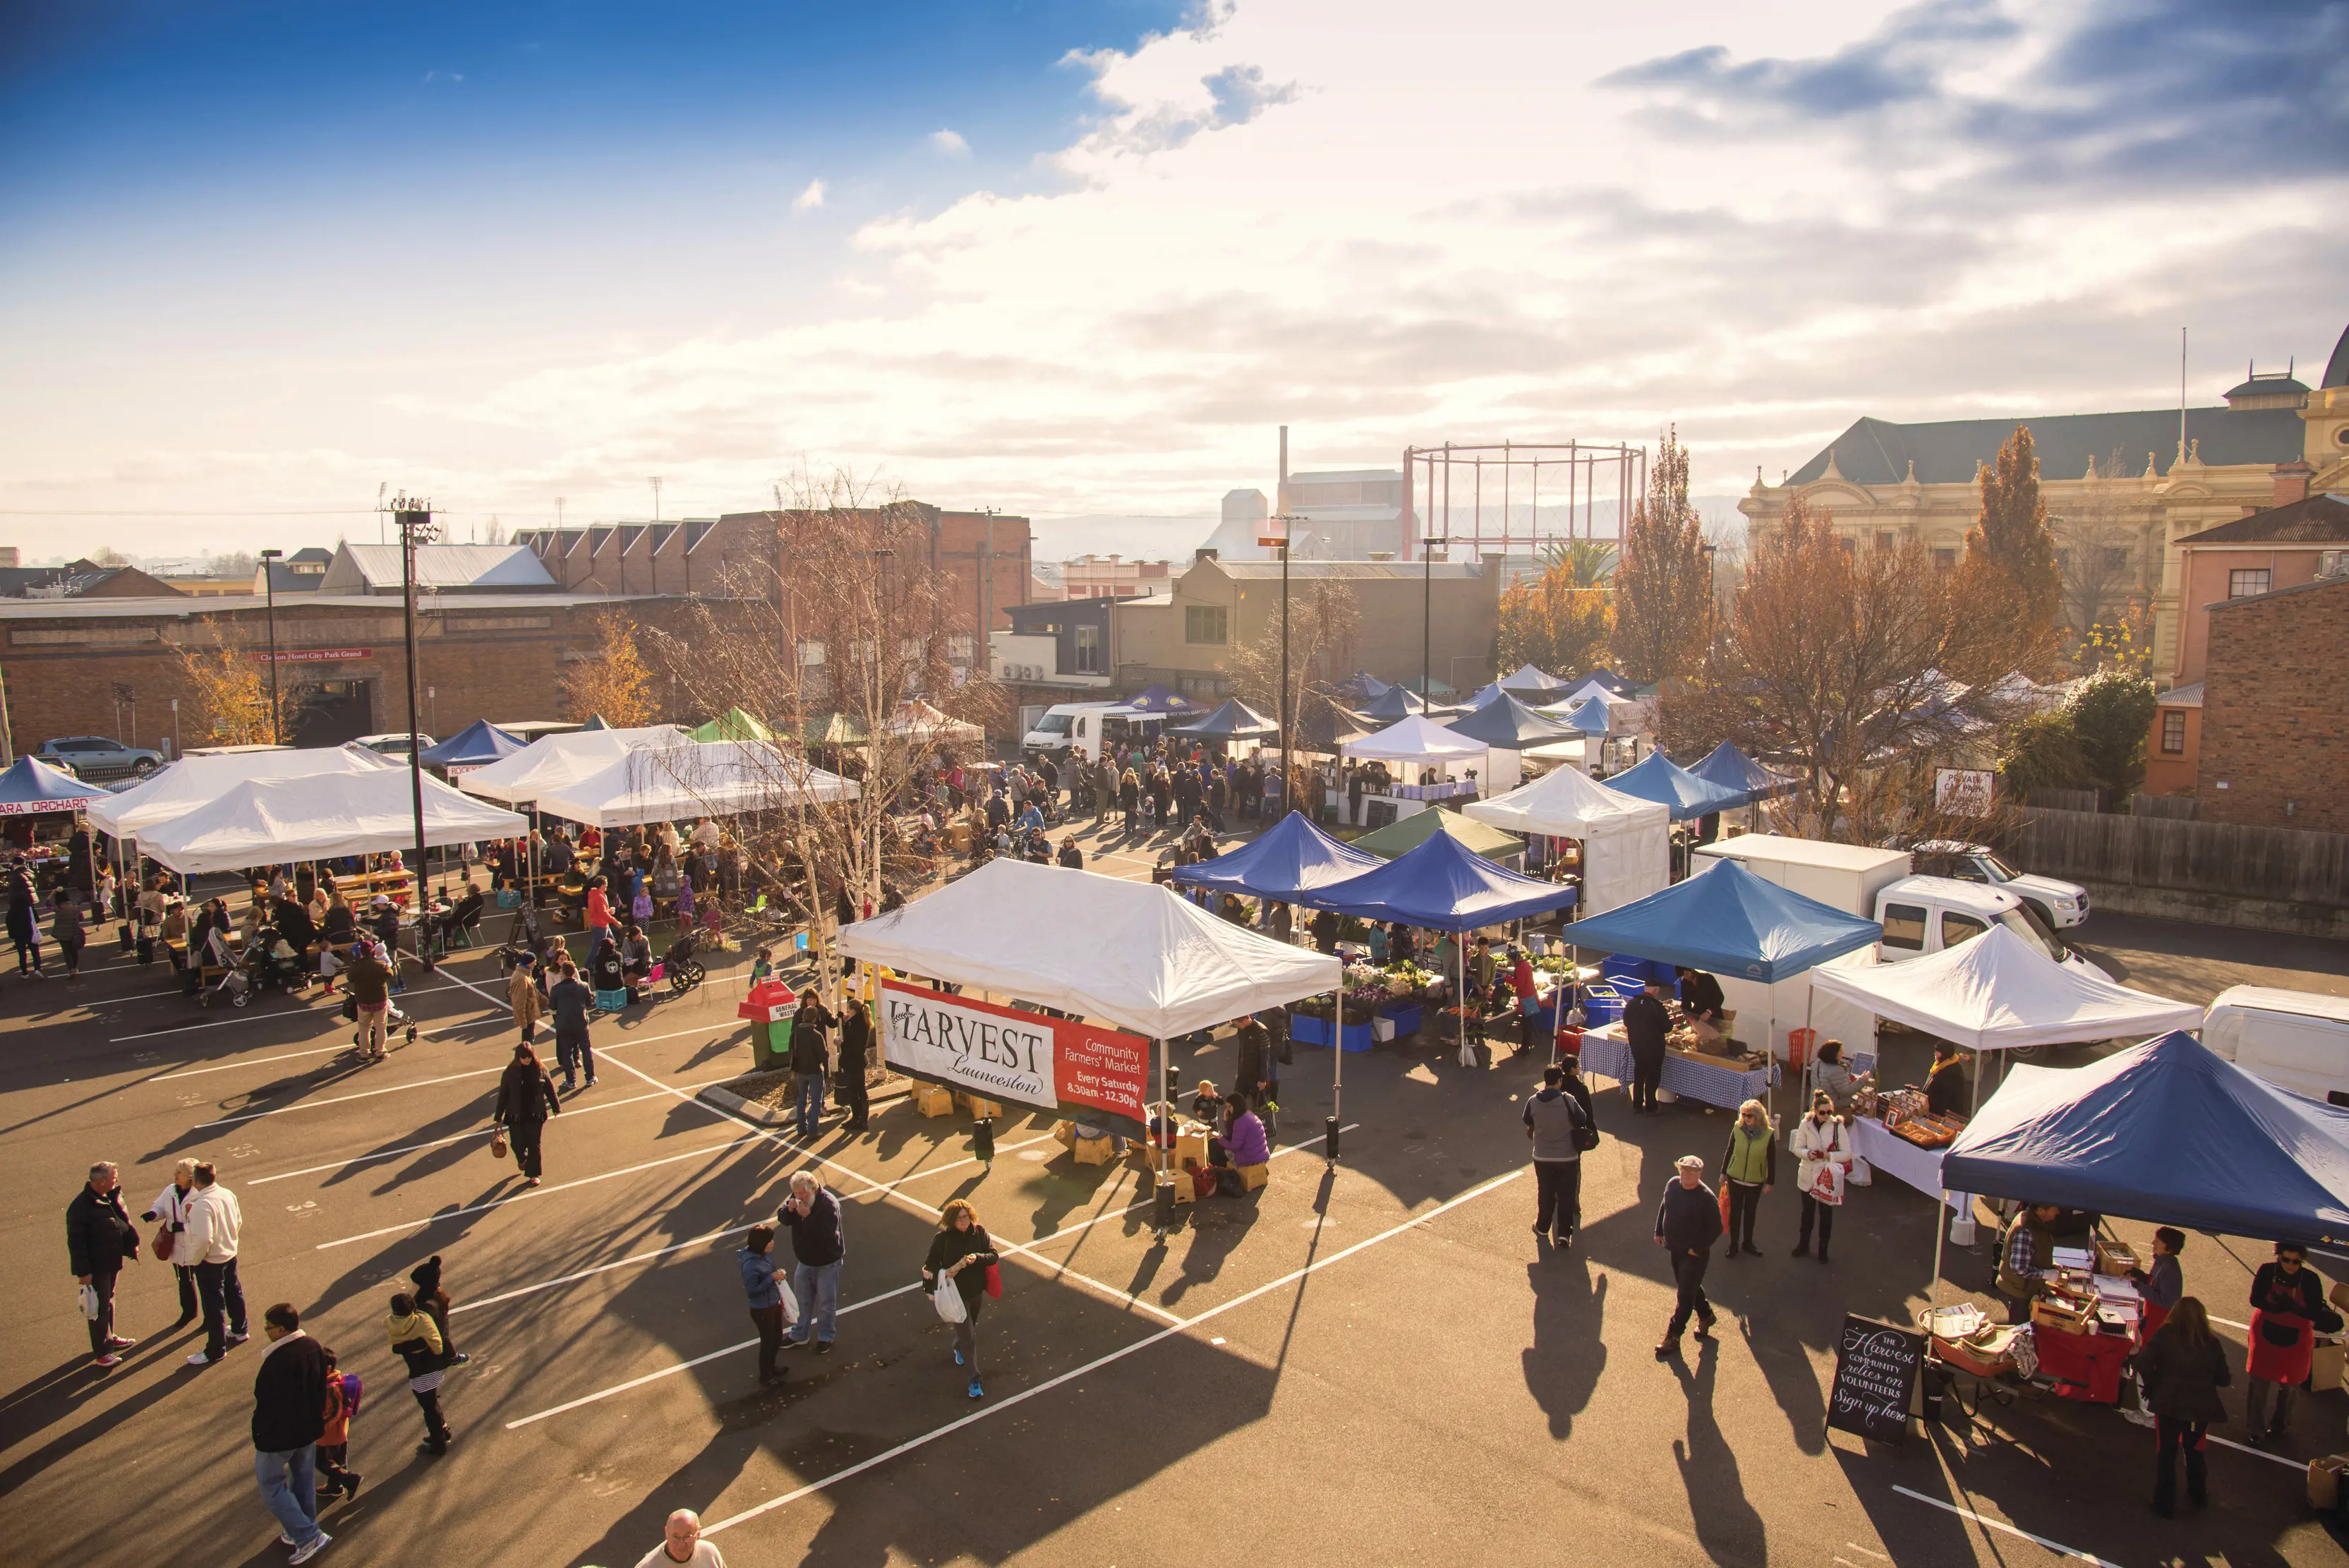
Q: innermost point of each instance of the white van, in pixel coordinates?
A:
(1082, 727)
(2296, 1039)
(1924, 914)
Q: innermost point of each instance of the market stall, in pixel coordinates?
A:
(925, 724)
(1442, 886)
(1289, 858)
(1232, 721)
(1422, 742)
(733, 724)
(1509, 728)
(1529, 681)
(477, 746)
(2165, 1132)
(555, 762)
(322, 816)
(1404, 834)
(193, 782)
(1401, 702)
(30, 787)
(1679, 790)
(1732, 770)
(685, 779)
(1626, 843)
(1133, 955)
(1750, 934)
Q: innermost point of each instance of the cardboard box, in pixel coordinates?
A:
(934, 1099)
(2116, 1258)
(1092, 1151)
(2324, 1482)
(2327, 1369)
(1254, 1176)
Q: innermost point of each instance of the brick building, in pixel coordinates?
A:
(2275, 709)
(496, 627)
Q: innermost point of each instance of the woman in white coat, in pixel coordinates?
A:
(1822, 1144)
(170, 1211)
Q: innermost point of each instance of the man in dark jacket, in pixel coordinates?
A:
(99, 1238)
(1704, 1004)
(1257, 1073)
(289, 1412)
(810, 1058)
(812, 1215)
(571, 1000)
(1554, 1122)
(1688, 1223)
(1645, 1024)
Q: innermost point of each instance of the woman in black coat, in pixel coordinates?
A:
(855, 1047)
(525, 1099)
(2182, 1368)
(962, 1252)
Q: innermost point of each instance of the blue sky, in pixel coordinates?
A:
(257, 260)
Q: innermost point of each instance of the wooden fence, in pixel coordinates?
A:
(2276, 864)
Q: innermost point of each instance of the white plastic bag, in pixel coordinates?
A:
(89, 1301)
(948, 1301)
(789, 1301)
(1861, 1173)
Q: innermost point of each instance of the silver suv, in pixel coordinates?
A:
(94, 757)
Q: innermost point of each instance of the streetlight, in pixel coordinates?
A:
(413, 517)
(1427, 619)
(1268, 534)
(269, 593)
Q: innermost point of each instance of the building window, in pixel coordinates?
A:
(2173, 732)
(2245, 582)
(1884, 538)
(1089, 650)
(958, 649)
(811, 653)
(2116, 558)
(1206, 624)
(1946, 557)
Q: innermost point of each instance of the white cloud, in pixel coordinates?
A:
(951, 143)
(1308, 216)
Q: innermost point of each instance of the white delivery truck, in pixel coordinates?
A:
(2296, 1039)
(1082, 728)
(1920, 915)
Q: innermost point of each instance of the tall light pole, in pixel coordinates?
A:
(1267, 535)
(269, 596)
(1427, 620)
(414, 519)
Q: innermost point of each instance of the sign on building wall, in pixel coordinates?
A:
(317, 654)
(1079, 1070)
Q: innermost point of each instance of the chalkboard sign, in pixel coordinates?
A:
(1876, 1368)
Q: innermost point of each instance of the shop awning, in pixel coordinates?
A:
(194, 782)
(1626, 842)
(675, 783)
(322, 816)
(30, 786)
(1160, 698)
(1442, 886)
(1506, 724)
(1658, 778)
(1286, 859)
(1232, 721)
(1405, 833)
(479, 744)
(1728, 922)
(1999, 992)
(1417, 739)
(1138, 956)
(2166, 1132)
(555, 762)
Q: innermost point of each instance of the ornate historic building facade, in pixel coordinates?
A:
(2121, 489)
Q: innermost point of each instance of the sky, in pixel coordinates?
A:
(260, 260)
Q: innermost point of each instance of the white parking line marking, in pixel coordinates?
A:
(2255, 1453)
(568, 1110)
(1986, 1522)
(1087, 1223)
(533, 1193)
(305, 1012)
(1180, 1327)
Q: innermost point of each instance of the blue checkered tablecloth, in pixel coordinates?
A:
(1609, 1056)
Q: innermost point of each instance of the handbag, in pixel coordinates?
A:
(498, 1145)
(161, 1243)
(995, 1281)
(947, 1299)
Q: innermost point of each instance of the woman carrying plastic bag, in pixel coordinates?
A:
(960, 1272)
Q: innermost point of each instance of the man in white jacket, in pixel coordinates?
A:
(170, 1210)
(208, 1245)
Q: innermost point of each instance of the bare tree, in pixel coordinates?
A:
(1324, 619)
(841, 634)
(2101, 562)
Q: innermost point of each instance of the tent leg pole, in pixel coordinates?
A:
(1337, 1070)
(1940, 1230)
(1162, 1157)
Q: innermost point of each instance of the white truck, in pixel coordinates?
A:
(2296, 1039)
(1920, 915)
(1081, 728)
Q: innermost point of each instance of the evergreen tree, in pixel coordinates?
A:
(2009, 548)
(1663, 581)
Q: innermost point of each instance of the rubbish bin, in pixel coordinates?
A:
(771, 1046)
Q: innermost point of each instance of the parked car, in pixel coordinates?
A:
(2060, 904)
(96, 759)
(393, 746)
(2296, 1039)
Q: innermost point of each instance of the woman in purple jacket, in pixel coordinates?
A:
(1242, 1142)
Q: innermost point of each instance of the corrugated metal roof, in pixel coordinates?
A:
(185, 606)
(359, 568)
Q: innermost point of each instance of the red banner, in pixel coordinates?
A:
(1080, 1070)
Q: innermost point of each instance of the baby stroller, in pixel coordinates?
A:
(274, 969)
(683, 969)
(232, 984)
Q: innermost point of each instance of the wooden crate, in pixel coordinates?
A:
(1254, 1176)
(934, 1100)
